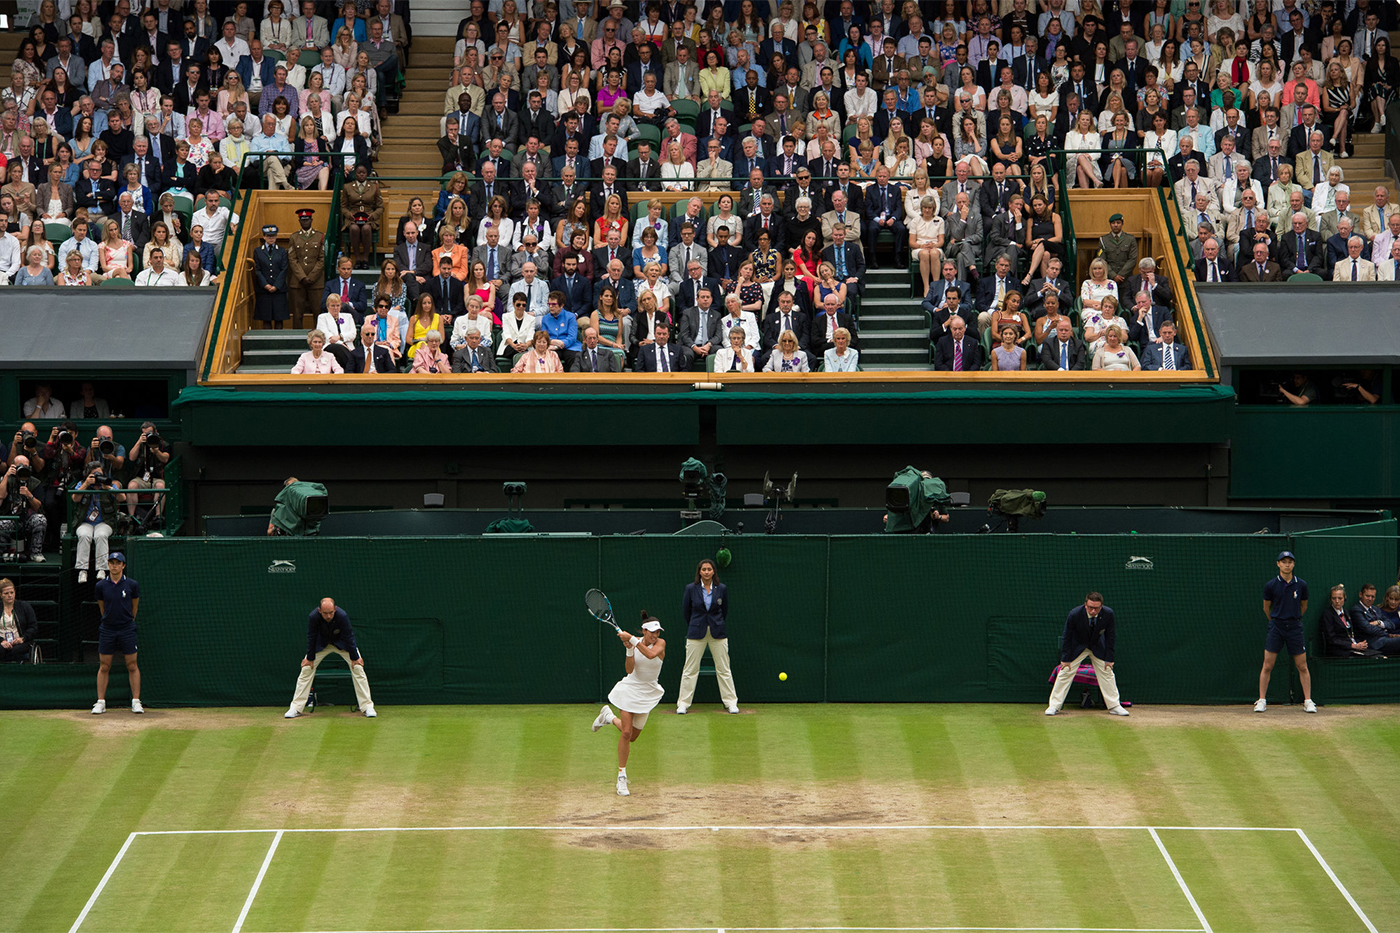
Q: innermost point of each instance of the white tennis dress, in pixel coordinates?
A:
(639, 691)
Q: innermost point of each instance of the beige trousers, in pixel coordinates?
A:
(308, 674)
(1108, 685)
(694, 652)
(276, 174)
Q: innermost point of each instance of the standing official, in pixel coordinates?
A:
(1089, 630)
(270, 277)
(328, 630)
(1119, 250)
(306, 269)
(1285, 602)
(117, 599)
(704, 610)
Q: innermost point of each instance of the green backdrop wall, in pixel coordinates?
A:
(849, 619)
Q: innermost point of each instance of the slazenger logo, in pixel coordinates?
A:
(1138, 563)
(282, 566)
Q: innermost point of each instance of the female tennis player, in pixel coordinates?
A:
(635, 695)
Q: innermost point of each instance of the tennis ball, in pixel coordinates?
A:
(783, 676)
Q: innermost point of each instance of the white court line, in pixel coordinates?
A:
(632, 827)
(257, 882)
(1175, 874)
(812, 929)
(1337, 881)
(102, 884)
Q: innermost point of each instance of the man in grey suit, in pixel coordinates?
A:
(414, 259)
(1168, 354)
(683, 253)
(1064, 350)
(472, 357)
(499, 123)
(948, 195)
(593, 358)
(963, 231)
(682, 77)
(699, 331)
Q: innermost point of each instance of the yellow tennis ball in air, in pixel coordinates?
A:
(783, 676)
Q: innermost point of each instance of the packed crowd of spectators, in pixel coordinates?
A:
(125, 126)
(845, 126)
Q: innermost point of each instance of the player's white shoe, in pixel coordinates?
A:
(136, 707)
(1051, 711)
(370, 713)
(99, 707)
(1119, 711)
(1261, 705)
(1309, 706)
(622, 790)
(290, 714)
(605, 717)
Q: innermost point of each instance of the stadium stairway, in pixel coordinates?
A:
(271, 351)
(409, 146)
(893, 329)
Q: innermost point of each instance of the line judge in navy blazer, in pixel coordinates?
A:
(1089, 631)
(703, 612)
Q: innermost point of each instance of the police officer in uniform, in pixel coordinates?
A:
(270, 279)
(1119, 250)
(306, 269)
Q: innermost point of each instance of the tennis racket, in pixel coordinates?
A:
(600, 608)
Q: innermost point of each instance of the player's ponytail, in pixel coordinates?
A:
(646, 616)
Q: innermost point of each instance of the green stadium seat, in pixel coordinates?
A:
(57, 233)
(652, 135)
(1305, 277)
(686, 110)
(277, 56)
(117, 283)
(309, 58)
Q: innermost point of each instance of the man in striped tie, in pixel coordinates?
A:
(1167, 355)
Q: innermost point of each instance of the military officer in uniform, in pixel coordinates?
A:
(270, 279)
(306, 269)
(361, 209)
(1119, 250)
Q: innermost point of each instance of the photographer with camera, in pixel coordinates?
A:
(21, 505)
(105, 450)
(67, 461)
(97, 499)
(26, 442)
(149, 456)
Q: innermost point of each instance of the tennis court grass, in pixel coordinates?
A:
(795, 817)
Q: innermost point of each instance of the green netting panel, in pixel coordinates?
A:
(777, 590)
(870, 618)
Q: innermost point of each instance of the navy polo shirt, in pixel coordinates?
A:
(1286, 599)
(116, 602)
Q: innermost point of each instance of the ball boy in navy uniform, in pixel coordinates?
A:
(1285, 602)
(117, 598)
(328, 630)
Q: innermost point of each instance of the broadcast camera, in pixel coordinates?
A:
(778, 494)
(1012, 505)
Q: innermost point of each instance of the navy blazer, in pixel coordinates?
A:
(1082, 632)
(320, 634)
(697, 618)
